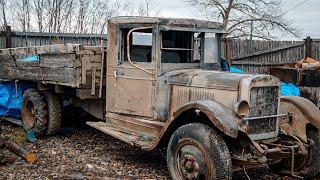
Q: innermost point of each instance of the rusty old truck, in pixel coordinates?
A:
(158, 84)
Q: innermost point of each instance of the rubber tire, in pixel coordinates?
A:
(213, 144)
(314, 167)
(54, 113)
(41, 114)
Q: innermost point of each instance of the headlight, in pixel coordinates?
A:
(241, 109)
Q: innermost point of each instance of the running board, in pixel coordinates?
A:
(144, 141)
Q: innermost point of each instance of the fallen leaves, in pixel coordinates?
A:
(82, 154)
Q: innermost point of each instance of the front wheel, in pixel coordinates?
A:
(197, 151)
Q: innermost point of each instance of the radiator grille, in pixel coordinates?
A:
(263, 102)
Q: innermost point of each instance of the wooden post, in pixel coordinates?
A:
(308, 47)
(8, 37)
(228, 50)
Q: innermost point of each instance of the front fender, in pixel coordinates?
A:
(220, 116)
(301, 112)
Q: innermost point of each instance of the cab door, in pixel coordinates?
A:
(136, 74)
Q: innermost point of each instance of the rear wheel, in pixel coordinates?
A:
(54, 113)
(197, 151)
(34, 112)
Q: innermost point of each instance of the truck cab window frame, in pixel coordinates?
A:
(141, 49)
(181, 47)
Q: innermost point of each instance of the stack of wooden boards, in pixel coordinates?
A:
(305, 74)
(306, 63)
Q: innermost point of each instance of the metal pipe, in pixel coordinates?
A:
(181, 49)
(102, 67)
(292, 166)
(263, 117)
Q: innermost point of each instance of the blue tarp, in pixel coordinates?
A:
(236, 70)
(11, 99)
(285, 89)
(289, 89)
(30, 58)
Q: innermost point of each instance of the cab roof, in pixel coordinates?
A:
(166, 22)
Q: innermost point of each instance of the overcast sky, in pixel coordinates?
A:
(306, 16)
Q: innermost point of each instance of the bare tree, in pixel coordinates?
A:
(144, 8)
(3, 12)
(68, 16)
(22, 14)
(260, 19)
(76, 16)
(39, 13)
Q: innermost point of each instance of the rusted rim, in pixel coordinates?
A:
(28, 115)
(192, 161)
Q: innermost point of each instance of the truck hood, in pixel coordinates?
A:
(205, 78)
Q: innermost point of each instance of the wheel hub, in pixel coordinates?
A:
(190, 166)
(28, 112)
(192, 162)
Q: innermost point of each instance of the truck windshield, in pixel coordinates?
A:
(187, 47)
(211, 48)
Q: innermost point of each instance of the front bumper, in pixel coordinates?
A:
(245, 125)
(284, 147)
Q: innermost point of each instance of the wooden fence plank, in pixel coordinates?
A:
(23, 39)
(256, 56)
(270, 51)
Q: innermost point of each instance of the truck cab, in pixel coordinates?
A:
(165, 88)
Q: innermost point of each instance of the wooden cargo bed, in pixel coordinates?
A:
(71, 65)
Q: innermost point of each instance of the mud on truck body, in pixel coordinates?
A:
(158, 84)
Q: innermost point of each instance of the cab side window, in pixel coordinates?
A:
(140, 45)
(180, 47)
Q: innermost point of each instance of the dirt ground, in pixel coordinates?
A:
(88, 154)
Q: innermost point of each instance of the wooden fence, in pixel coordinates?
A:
(316, 49)
(13, 39)
(256, 56)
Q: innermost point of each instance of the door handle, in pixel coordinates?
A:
(116, 73)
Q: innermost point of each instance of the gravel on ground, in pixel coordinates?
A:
(86, 153)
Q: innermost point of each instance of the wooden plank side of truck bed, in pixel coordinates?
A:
(71, 65)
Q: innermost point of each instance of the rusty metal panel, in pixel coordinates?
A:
(288, 75)
(199, 94)
(301, 77)
(179, 97)
(311, 93)
(301, 111)
(183, 94)
(112, 58)
(134, 97)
